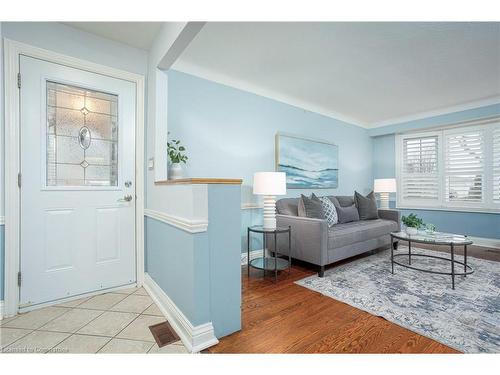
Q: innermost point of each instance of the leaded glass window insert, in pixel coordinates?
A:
(82, 136)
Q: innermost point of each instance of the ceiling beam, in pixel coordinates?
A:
(171, 41)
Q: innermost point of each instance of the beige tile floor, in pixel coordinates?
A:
(115, 322)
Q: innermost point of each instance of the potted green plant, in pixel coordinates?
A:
(412, 223)
(177, 155)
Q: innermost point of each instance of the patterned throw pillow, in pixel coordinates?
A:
(329, 211)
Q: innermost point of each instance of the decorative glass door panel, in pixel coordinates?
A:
(82, 136)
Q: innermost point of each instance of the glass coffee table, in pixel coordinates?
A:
(436, 238)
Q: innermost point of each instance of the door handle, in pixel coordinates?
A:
(126, 198)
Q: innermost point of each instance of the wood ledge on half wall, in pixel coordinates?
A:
(192, 181)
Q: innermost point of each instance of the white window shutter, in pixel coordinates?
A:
(420, 177)
(464, 166)
(496, 164)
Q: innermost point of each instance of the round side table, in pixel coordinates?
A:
(268, 263)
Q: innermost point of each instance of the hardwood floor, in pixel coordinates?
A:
(287, 318)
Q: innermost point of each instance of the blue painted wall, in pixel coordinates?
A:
(2, 257)
(230, 133)
(2, 128)
(170, 257)
(251, 217)
(485, 225)
(384, 166)
(224, 258)
(201, 272)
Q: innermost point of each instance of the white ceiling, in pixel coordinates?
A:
(135, 34)
(367, 73)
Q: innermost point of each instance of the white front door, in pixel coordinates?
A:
(77, 182)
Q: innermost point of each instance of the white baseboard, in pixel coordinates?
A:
(1, 309)
(253, 255)
(493, 243)
(194, 338)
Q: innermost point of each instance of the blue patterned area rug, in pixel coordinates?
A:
(467, 318)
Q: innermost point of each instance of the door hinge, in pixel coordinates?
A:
(19, 279)
(19, 80)
(19, 179)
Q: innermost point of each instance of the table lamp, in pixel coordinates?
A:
(384, 186)
(269, 184)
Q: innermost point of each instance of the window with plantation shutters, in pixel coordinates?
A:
(496, 164)
(455, 168)
(420, 177)
(464, 166)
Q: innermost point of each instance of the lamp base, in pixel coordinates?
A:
(384, 201)
(269, 212)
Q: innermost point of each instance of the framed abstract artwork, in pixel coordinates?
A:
(308, 163)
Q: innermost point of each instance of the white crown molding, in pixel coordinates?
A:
(2, 220)
(195, 70)
(436, 112)
(251, 206)
(194, 338)
(188, 225)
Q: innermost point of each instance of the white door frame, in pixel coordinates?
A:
(12, 52)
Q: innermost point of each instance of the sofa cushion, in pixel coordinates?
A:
(344, 200)
(367, 206)
(288, 206)
(345, 234)
(345, 214)
(311, 207)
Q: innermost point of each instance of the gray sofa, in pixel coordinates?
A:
(314, 242)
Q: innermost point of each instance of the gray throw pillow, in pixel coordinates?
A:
(288, 206)
(367, 206)
(345, 214)
(310, 207)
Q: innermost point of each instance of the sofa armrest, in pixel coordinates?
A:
(309, 238)
(393, 215)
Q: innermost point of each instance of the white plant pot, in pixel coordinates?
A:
(176, 171)
(411, 231)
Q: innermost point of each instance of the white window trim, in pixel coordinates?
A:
(487, 206)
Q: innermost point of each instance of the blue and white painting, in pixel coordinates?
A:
(308, 164)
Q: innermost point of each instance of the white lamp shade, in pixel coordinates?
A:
(385, 185)
(269, 183)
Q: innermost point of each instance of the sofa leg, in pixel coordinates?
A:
(321, 272)
(395, 245)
